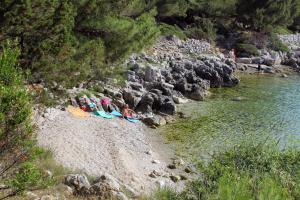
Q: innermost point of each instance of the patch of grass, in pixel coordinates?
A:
(45, 161)
(246, 50)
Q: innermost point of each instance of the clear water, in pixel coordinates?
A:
(269, 111)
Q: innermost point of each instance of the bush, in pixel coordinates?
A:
(15, 108)
(246, 50)
(276, 44)
(203, 29)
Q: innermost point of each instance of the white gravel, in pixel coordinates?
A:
(96, 146)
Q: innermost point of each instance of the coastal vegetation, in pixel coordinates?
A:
(245, 172)
(86, 39)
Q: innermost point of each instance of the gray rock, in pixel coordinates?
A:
(155, 121)
(79, 182)
(179, 100)
(269, 61)
(244, 60)
(151, 73)
(154, 174)
(131, 97)
(237, 99)
(136, 86)
(257, 60)
(175, 178)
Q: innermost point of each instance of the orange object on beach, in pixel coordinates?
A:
(77, 112)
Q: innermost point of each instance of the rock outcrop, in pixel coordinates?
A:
(178, 69)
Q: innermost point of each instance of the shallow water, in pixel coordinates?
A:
(269, 111)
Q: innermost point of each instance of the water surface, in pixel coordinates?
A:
(269, 111)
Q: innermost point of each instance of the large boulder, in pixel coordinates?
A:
(167, 105)
(198, 93)
(131, 97)
(146, 103)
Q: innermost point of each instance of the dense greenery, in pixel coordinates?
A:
(18, 153)
(15, 109)
(85, 38)
(245, 172)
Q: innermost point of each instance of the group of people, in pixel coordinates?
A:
(93, 104)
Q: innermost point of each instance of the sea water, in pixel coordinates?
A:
(259, 110)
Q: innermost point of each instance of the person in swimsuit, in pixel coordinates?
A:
(127, 112)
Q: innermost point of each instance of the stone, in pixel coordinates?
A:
(155, 161)
(167, 105)
(188, 170)
(155, 120)
(237, 98)
(108, 181)
(151, 73)
(257, 60)
(179, 100)
(178, 162)
(131, 97)
(167, 85)
(198, 94)
(284, 76)
(49, 173)
(269, 61)
(175, 178)
(78, 181)
(154, 174)
(31, 196)
(182, 115)
(146, 103)
(183, 177)
(244, 60)
(171, 166)
(136, 86)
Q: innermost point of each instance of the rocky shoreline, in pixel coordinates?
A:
(170, 73)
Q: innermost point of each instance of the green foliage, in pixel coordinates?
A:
(30, 174)
(281, 30)
(15, 109)
(246, 50)
(263, 14)
(27, 177)
(245, 172)
(166, 30)
(73, 41)
(172, 8)
(276, 44)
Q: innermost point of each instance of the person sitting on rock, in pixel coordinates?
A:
(106, 105)
(127, 112)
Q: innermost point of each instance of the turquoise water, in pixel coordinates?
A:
(269, 111)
